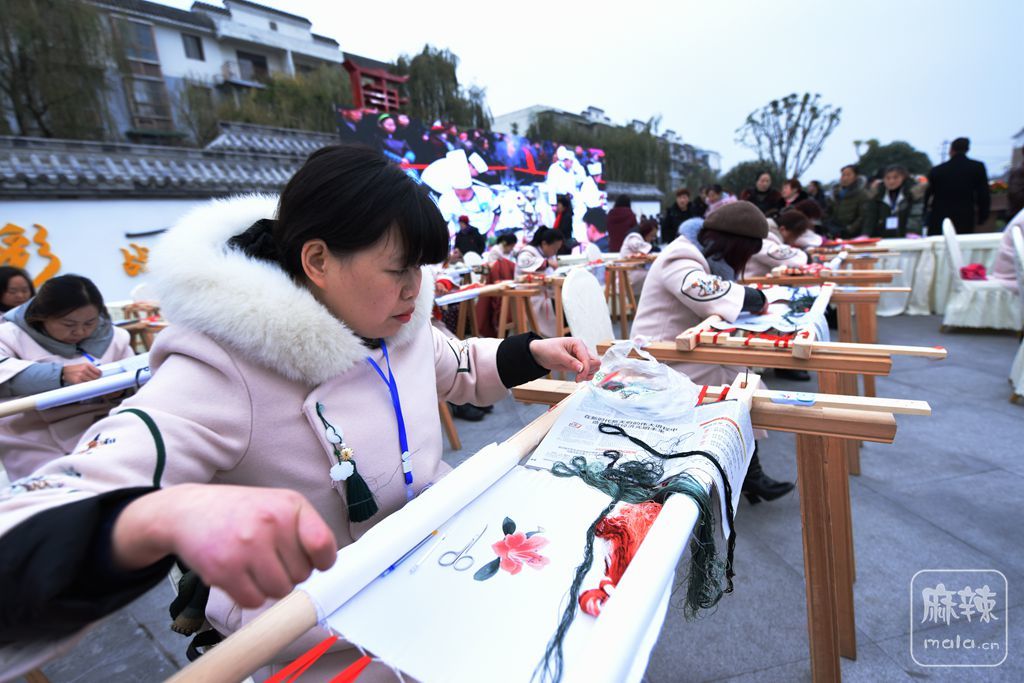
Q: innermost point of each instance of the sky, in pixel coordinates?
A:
(920, 71)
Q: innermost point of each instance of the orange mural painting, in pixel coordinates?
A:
(135, 263)
(14, 250)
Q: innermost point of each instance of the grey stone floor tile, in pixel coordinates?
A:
(872, 664)
(119, 649)
(1011, 670)
(764, 613)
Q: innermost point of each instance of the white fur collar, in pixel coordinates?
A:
(253, 306)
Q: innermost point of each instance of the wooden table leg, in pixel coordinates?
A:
(520, 314)
(503, 316)
(819, 569)
(460, 324)
(623, 278)
(559, 313)
(847, 385)
(449, 425)
(844, 314)
(837, 491)
(867, 333)
(531, 319)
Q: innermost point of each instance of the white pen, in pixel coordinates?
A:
(412, 570)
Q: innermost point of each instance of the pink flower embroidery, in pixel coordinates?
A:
(516, 549)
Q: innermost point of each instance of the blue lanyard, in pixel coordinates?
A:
(403, 438)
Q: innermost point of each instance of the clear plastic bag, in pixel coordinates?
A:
(646, 388)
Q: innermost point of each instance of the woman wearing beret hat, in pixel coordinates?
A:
(692, 279)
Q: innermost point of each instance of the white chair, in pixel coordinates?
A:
(977, 303)
(586, 309)
(1017, 369)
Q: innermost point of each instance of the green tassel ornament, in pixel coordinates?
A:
(358, 496)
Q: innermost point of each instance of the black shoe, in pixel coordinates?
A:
(486, 409)
(832, 317)
(793, 375)
(759, 486)
(468, 412)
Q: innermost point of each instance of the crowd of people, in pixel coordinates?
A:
(272, 430)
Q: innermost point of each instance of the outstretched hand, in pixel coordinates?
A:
(565, 354)
(253, 543)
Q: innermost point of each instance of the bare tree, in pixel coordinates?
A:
(790, 132)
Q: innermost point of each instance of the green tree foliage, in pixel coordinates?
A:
(305, 101)
(434, 91)
(696, 177)
(897, 153)
(54, 56)
(790, 132)
(632, 156)
(744, 175)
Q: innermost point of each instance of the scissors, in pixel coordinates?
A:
(460, 561)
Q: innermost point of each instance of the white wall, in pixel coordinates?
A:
(175, 64)
(88, 234)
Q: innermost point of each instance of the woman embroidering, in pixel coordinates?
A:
(300, 357)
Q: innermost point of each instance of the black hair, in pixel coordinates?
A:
(897, 168)
(716, 188)
(961, 145)
(646, 227)
(852, 167)
(794, 221)
(351, 197)
(546, 236)
(563, 199)
(735, 250)
(61, 295)
(809, 208)
(623, 200)
(8, 273)
(764, 171)
(507, 238)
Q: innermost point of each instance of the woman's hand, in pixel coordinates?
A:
(82, 372)
(565, 354)
(254, 543)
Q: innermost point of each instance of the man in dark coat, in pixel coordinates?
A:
(680, 210)
(958, 190)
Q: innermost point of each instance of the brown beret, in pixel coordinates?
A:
(738, 218)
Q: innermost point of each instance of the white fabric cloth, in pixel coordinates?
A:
(586, 308)
(976, 303)
(923, 262)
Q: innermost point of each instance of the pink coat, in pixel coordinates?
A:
(530, 261)
(774, 252)
(32, 438)
(1004, 269)
(680, 292)
(237, 379)
(632, 246)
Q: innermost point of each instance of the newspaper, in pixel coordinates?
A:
(721, 429)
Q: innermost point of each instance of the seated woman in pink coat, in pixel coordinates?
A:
(300, 357)
(15, 288)
(778, 248)
(55, 339)
(692, 280)
(539, 258)
(638, 244)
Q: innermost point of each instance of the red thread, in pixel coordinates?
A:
(292, 672)
(725, 392)
(625, 532)
(702, 394)
(353, 670)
